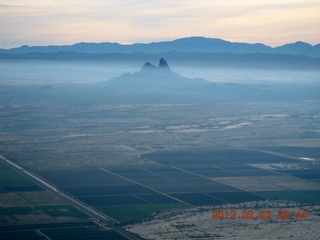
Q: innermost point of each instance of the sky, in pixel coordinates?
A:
(59, 22)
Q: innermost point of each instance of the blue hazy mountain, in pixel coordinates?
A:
(154, 84)
(299, 48)
(185, 45)
(202, 59)
(152, 79)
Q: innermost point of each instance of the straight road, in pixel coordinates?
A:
(100, 218)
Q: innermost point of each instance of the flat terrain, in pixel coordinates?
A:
(27, 211)
(183, 179)
(157, 163)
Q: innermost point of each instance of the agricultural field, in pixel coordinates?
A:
(184, 179)
(27, 211)
(11, 181)
(70, 230)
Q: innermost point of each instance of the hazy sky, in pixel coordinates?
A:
(47, 22)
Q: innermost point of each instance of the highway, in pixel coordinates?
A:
(99, 218)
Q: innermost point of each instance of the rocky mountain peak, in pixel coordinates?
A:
(148, 67)
(163, 64)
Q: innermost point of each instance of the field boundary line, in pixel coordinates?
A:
(140, 184)
(211, 179)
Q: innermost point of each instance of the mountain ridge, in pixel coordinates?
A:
(247, 60)
(187, 45)
(159, 84)
(153, 79)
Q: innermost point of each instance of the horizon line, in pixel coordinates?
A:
(150, 42)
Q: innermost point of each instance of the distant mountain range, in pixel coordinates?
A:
(192, 51)
(245, 60)
(183, 45)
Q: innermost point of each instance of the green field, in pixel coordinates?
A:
(10, 175)
(62, 211)
(130, 213)
(310, 196)
(53, 211)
